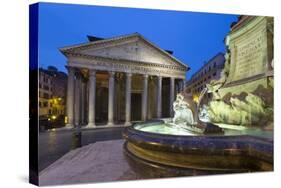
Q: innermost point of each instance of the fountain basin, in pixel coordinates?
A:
(156, 152)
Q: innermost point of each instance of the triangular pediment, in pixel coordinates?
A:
(130, 47)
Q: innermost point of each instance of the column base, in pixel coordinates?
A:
(69, 126)
(127, 123)
(110, 124)
(90, 125)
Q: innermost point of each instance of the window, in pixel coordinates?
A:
(46, 95)
(46, 87)
(215, 73)
(45, 104)
(215, 65)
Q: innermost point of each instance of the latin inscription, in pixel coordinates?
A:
(249, 57)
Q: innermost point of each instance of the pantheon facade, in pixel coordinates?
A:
(119, 80)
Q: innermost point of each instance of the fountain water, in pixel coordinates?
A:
(178, 146)
(185, 120)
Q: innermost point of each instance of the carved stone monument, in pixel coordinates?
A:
(244, 94)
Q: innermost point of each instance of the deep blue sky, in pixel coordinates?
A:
(194, 37)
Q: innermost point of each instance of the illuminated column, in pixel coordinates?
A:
(92, 99)
(172, 95)
(159, 97)
(110, 98)
(144, 98)
(70, 98)
(182, 85)
(77, 101)
(128, 98)
(82, 101)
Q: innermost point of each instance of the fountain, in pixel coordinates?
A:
(233, 130)
(179, 146)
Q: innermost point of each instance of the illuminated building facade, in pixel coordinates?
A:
(52, 91)
(211, 70)
(120, 80)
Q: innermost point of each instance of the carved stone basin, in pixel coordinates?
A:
(160, 153)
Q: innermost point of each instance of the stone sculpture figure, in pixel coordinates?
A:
(186, 116)
(185, 110)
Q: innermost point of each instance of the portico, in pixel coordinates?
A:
(112, 76)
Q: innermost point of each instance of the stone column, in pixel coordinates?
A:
(159, 97)
(110, 98)
(182, 85)
(82, 101)
(92, 99)
(144, 98)
(172, 95)
(77, 101)
(70, 98)
(128, 98)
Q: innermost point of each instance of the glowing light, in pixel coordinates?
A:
(65, 119)
(195, 98)
(54, 117)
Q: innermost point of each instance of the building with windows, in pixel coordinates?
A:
(211, 70)
(52, 91)
(119, 80)
(45, 92)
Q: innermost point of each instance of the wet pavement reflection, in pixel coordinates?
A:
(54, 144)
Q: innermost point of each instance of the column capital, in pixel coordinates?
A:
(70, 69)
(78, 74)
(145, 76)
(129, 74)
(92, 72)
(111, 73)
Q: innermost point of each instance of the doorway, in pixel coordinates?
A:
(136, 106)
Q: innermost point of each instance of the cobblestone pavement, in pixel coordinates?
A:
(54, 144)
(99, 162)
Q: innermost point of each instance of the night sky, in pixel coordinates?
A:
(193, 37)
